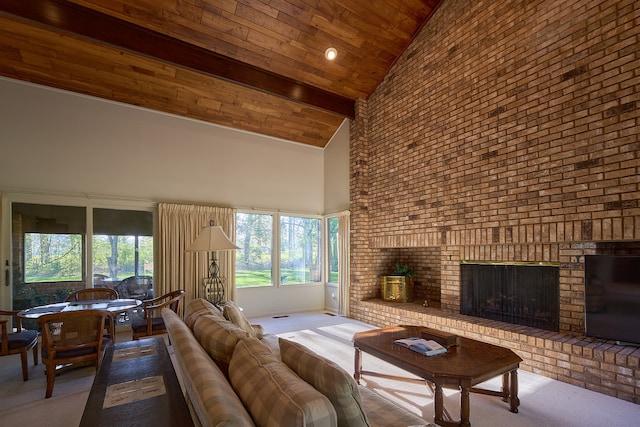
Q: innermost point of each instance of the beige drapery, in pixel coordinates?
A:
(344, 282)
(178, 226)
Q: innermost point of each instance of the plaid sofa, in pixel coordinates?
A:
(235, 375)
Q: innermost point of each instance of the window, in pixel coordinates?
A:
(48, 252)
(298, 260)
(52, 257)
(254, 235)
(300, 250)
(332, 233)
(52, 243)
(122, 245)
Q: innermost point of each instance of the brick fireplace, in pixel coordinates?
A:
(507, 134)
(517, 293)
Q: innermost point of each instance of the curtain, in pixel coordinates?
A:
(178, 227)
(5, 297)
(344, 282)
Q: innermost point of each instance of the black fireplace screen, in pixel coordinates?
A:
(521, 294)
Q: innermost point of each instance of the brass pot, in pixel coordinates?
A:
(397, 288)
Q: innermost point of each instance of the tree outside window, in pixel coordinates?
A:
(254, 235)
(300, 250)
(298, 261)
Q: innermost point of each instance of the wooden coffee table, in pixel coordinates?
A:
(468, 364)
(136, 386)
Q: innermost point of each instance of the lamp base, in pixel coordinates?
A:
(213, 289)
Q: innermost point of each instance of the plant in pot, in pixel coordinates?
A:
(398, 286)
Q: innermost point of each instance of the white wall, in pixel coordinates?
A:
(336, 171)
(336, 193)
(55, 141)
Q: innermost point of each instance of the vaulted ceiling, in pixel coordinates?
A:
(254, 65)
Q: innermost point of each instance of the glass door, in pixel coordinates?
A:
(48, 253)
(123, 251)
(55, 248)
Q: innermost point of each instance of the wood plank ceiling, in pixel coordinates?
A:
(254, 65)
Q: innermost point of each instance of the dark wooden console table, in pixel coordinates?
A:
(136, 385)
(464, 366)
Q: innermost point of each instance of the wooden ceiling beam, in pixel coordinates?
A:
(84, 22)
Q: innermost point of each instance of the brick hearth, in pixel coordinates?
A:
(593, 364)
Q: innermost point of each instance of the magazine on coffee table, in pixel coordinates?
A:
(422, 346)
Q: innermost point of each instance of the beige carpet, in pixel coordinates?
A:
(544, 402)
(22, 403)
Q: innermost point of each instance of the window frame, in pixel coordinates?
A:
(56, 199)
(118, 211)
(273, 272)
(327, 255)
(276, 276)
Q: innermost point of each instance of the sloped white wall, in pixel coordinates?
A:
(336, 171)
(57, 141)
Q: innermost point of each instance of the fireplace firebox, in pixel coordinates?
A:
(525, 294)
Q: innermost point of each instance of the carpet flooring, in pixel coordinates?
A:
(543, 402)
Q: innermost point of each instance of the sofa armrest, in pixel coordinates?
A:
(212, 398)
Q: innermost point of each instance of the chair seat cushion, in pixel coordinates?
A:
(21, 339)
(139, 324)
(77, 352)
(64, 354)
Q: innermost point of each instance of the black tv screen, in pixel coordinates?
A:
(612, 297)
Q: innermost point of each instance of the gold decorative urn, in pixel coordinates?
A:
(397, 288)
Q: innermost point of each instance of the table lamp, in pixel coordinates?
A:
(213, 239)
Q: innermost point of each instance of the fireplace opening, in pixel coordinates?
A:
(526, 294)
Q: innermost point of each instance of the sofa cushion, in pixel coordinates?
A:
(199, 307)
(218, 337)
(212, 398)
(233, 314)
(274, 395)
(329, 379)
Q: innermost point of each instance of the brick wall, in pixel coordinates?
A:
(507, 131)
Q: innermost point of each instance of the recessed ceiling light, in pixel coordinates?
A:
(331, 53)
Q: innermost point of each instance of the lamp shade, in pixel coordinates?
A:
(212, 238)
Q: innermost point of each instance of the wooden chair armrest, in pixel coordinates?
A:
(5, 339)
(156, 306)
(12, 313)
(153, 301)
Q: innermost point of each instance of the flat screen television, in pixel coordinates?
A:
(612, 297)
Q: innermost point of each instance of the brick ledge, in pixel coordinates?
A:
(597, 365)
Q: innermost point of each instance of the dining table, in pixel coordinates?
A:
(114, 306)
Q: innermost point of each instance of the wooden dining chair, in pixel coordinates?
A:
(19, 342)
(91, 294)
(150, 321)
(71, 339)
